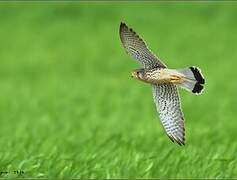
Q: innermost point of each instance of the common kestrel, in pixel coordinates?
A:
(164, 82)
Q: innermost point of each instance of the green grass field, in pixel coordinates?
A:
(69, 108)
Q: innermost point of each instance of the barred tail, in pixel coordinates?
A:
(194, 80)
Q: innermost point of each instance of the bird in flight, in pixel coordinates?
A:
(164, 82)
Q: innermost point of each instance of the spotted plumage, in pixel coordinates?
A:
(164, 83)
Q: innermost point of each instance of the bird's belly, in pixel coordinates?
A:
(162, 76)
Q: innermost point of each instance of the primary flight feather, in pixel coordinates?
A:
(164, 82)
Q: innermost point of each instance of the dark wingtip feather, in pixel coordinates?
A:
(170, 138)
(178, 141)
(122, 24)
(122, 28)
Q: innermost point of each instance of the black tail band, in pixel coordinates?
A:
(198, 76)
(197, 88)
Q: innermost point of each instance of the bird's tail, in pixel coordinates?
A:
(193, 79)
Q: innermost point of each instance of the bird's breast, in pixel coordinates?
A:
(160, 76)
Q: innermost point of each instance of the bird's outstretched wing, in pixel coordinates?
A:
(168, 105)
(137, 48)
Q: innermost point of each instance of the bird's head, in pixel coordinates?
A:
(138, 74)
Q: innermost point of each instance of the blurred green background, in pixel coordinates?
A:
(69, 108)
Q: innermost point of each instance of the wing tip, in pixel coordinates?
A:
(180, 142)
(130, 38)
(122, 26)
(176, 140)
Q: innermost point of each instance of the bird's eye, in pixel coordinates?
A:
(137, 73)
